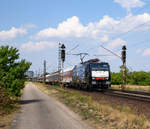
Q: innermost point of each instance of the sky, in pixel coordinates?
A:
(36, 27)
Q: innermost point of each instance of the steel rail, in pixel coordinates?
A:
(136, 95)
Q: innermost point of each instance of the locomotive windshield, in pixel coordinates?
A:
(99, 66)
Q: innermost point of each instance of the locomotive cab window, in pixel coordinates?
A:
(99, 66)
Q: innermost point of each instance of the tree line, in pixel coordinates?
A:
(133, 78)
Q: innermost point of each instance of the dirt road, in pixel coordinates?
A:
(40, 111)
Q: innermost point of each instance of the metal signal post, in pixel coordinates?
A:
(59, 57)
(124, 66)
(63, 59)
(44, 71)
(123, 58)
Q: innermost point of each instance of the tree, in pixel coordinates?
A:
(135, 78)
(12, 70)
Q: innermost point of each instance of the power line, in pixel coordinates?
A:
(136, 12)
(72, 49)
(124, 33)
(139, 43)
(103, 55)
(128, 30)
(69, 64)
(136, 44)
(111, 52)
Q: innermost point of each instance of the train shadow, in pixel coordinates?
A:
(83, 89)
(2, 126)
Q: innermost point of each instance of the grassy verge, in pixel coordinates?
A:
(132, 87)
(6, 119)
(102, 116)
(8, 108)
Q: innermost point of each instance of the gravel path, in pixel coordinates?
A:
(40, 111)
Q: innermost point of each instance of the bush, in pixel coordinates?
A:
(12, 71)
(134, 78)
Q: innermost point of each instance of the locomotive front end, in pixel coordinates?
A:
(100, 75)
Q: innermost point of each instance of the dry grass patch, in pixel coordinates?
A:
(132, 87)
(102, 116)
(5, 120)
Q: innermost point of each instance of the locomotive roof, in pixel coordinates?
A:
(95, 62)
(85, 63)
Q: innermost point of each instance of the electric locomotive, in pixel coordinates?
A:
(92, 74)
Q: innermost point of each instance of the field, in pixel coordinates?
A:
(132, 87)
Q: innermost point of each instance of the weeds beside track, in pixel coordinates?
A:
(101, 115)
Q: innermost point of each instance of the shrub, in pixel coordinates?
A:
(12, 70)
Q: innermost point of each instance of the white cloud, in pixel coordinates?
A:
(129, 4)
(12, 33)
(146, 52)
(104, 28)
(37, 46)
(70, 27)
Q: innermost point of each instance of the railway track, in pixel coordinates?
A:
(129, 94)
(136, 95)
(138, 101)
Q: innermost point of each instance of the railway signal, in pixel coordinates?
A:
(123, 58)
(63, 59)
(63, 52)
(123, 53)
(124, 66)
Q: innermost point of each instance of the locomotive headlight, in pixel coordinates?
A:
(93, 82)
(108, 82)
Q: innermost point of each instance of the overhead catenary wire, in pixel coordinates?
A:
(134, 28)
(111, 52)
(136, 44)
(124, 33)
(69, 64)
(139, 43)
(72, 49)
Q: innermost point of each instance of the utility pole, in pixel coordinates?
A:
(44, 72)
(124, 66)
